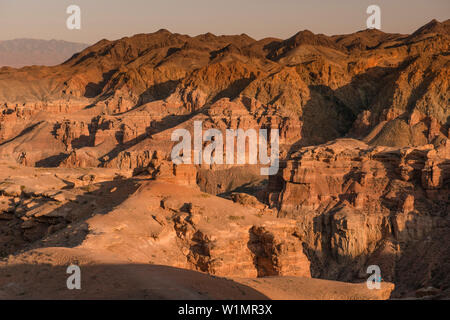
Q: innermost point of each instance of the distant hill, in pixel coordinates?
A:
(25, 52)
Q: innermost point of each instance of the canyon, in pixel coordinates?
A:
(87, 175)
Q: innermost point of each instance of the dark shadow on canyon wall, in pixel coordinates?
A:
(330, 114)
(422, 261)
(411, 250)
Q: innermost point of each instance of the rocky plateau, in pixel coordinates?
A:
(86, 175)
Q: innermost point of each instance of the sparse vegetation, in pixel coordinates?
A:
(205, 195)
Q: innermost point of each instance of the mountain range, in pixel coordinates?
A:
(26, 52)
(364, 178)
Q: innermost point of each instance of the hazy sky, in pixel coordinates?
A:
(112, 19)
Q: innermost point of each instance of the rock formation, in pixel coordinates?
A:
(85, 157)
